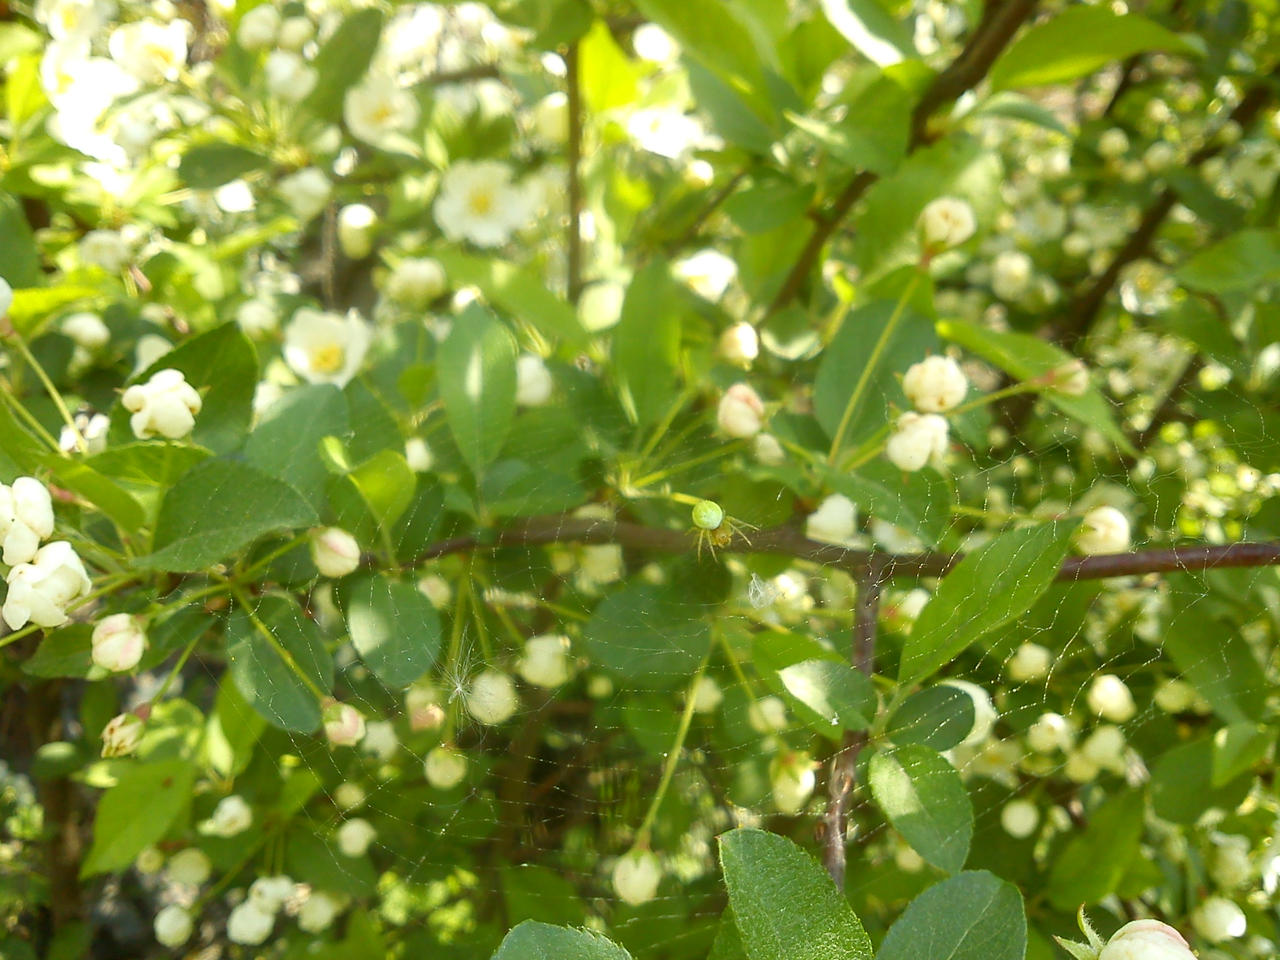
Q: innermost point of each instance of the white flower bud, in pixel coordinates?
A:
(768, 715)
(343, 724)
(306, 192)
(706, 695)
(935, 384)
(357, 224)
(1146, 940)
(418, 455)
(1105, 747)
(1218, 920)
(740, 344)
(1160, 156)
(190, 867)
(257, 318)
(249, 924)
(354, 837)
(917, 438)
(1175, 696)
(1019, 818)
(835, 521)
(1079, 768)
(166, 405)
(984, 711)
(334, 552)
(26, 518)
(945, 222)
(491, 698)
(445, 767)
(173, 926)
(380, 740)
(258, 27)
(231, 816)
(42, 591)
(320, 909)
(270, 893)
(1072, 378)
(1049, 733)
(436, 589)
(741, 412)
(1113, 143)
(1011, 274)
(1110, 699)
(149, 861)
(792, 780)
(1029, 662)
(106, 249)
(121, 735)
(636, 877)
(295, 33)
(533, 381)
(1104, 530)
(546, 660)
(416, 281)
(768, 450)
(87, 330)
(1230, 866)
(118, 642)
(289, 77)
(348, 795)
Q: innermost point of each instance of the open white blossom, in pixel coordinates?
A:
(149, 50)
(42, 591)
(67, 19)
(258, 27)
(377, 108)
(288, 76)
(230, 817)
(324, 347)
(946, 222)
(479, 203)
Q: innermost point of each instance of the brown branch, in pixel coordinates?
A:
(574, 160)
(485, 71)
(844, 765)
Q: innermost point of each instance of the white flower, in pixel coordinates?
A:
(636, 877)
(118, 642)
(150, 348)
(416, 281)
(1218, 920)
(74, 18)
(319, 909)
(289, 77)
(741, 412)
(190, 867)
(422, 703)
(1113, 143)
(418, 455)
(664, 131)
(121, 735)
(87, 331)
(1160, 156)
(324, 347)
(546, 660)
(306, 192)
(1146, 287)
(357, 224)
(1231, 866)
(257, 318)
(1019, 818)
(380, 740)
(26, 518)
(41, 591)
(917, 438)
(296, 33)
(258, 27)
(935, 384)
(835, 521)
(149, 861)
(249, 924)
(231, 816)
(166, 405)
(334, 552)
(1175, 696)
(6, 297)
(1029, 662)
(708, 272)
(343, 724)
(740, 344)
(792, 780)
(1110, 698)
(445, 767)
(479, 203)
(1146, 940)
(706, 695)
(348, 795)
(378, 107)
(173, 926)
(354, 837)
(1049, 733)
(767, 715)
(550, 118)
(105, 249)
(1104, 530)
(533, 381)
(150, 51)
(1105, 747)
(491, 698)
(945, 222)
(268, 894)
(1072, 378)
(984, 711)
(1011, 274)
(768, 450)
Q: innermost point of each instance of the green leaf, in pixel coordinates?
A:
(938, 717)
(1027, 357)
(831, 696)
(971, 916)
(147, 463)
(1015, 106)
(1077, 42)
(1246, 259)
(65, 652)
(925, 800)
(286, 442)
(856, 364)
(393, 627)
(375, 494)
(104, 493)
(1182, 786)
(646, 344)
(785, 905)
(873, 135)
(651, 636)
(477, 370)
(1238, 748)
(136, 813)
(342, 61)
(917, 502)
(872, 30)
(35, 305)
(534, 892)
(991, 586)
(217, 508)
(268, 670)
(1226, 672)
(520, 291)
(209, 165)
(532, 940)
(232, 731)
(1094, 861)
(609, 78)
(306, 855)
(514, 488)
(19, 257)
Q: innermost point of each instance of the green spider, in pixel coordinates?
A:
(714, 528)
